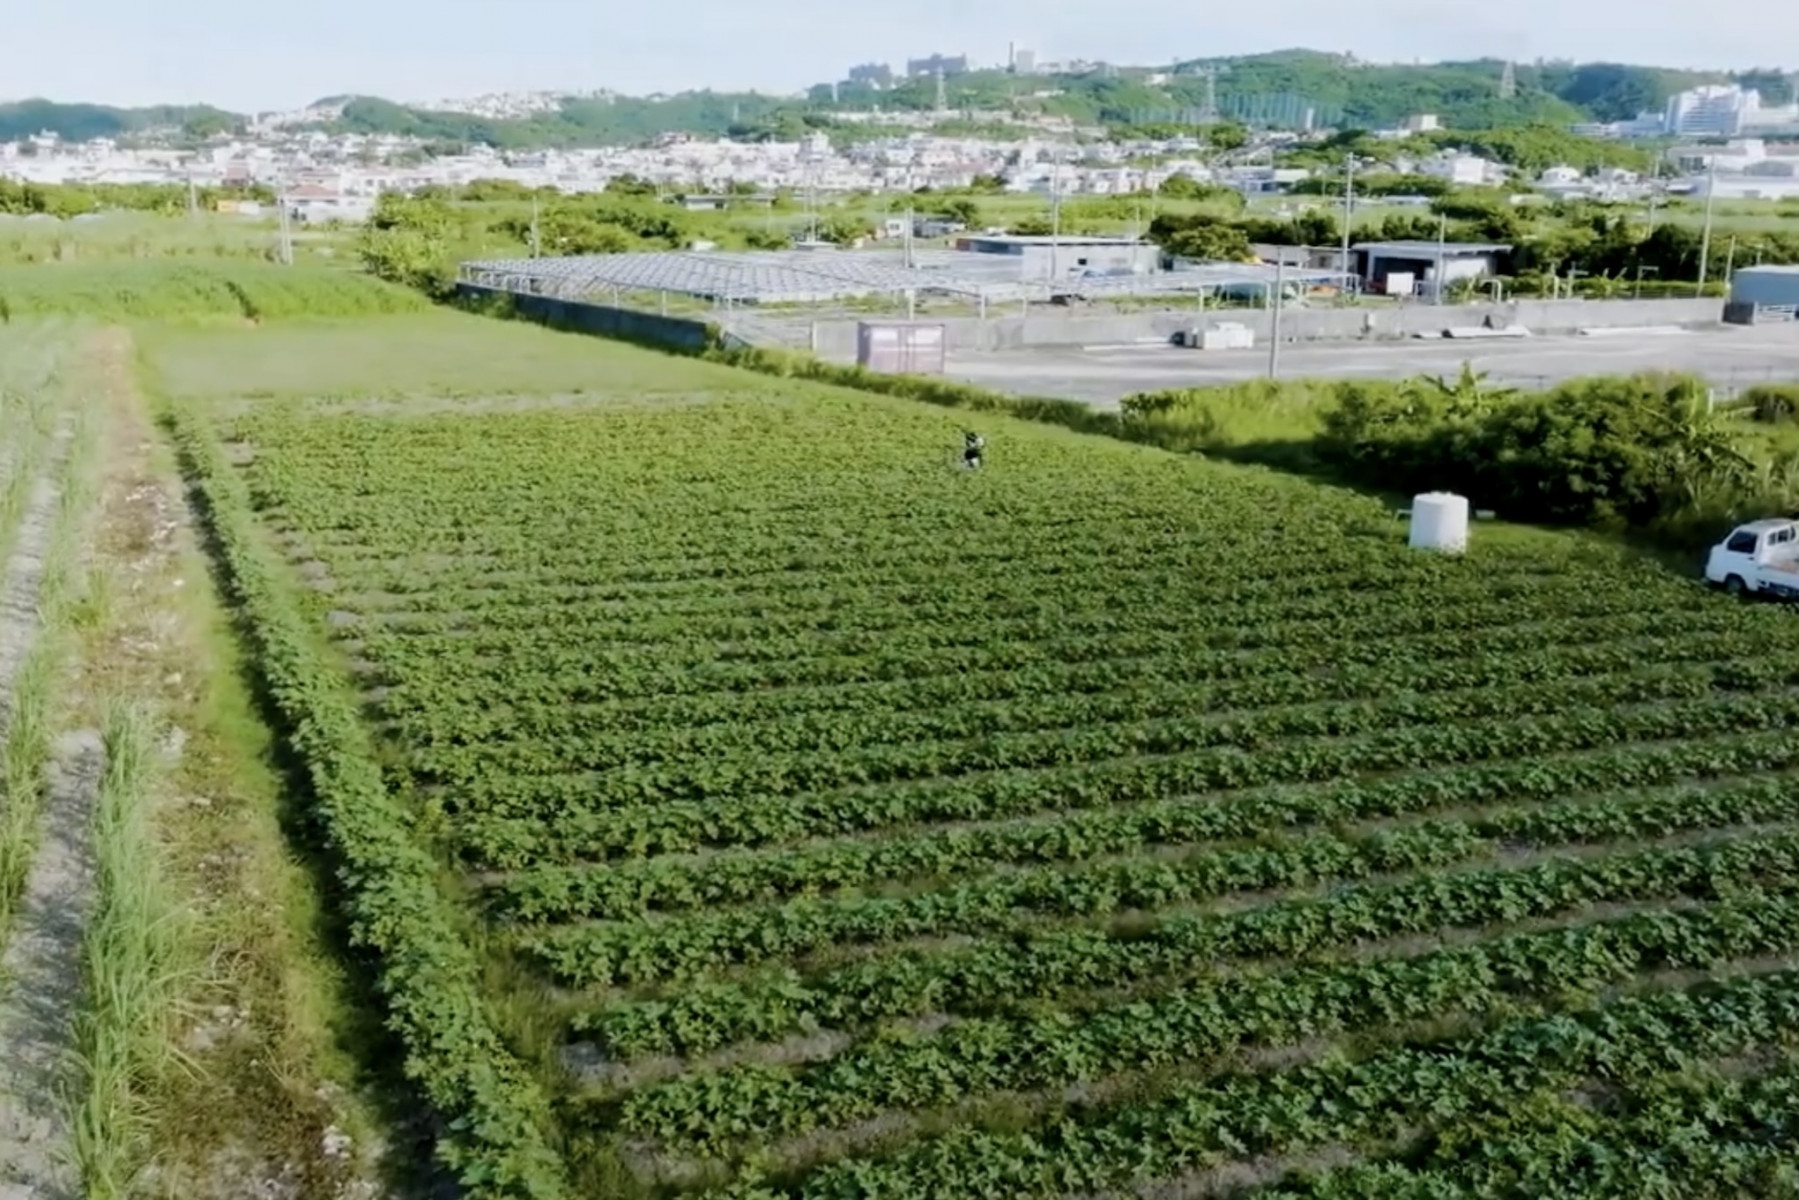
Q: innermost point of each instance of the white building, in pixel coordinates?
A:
(1465, 169)
(1723, 110)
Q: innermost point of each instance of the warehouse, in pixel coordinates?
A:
(1762, 294)
(1412, 268)
(1044, 257)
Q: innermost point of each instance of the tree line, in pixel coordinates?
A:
(22, 199)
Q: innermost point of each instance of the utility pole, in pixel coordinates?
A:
(1274, 336)
(287, 233)
(193, 198)
(1730, 258)
(1348, 209)
(909, 227)
(1055, 214)
(1705, 238)
(1442, 254)
(536, 235)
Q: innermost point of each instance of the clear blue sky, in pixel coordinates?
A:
(250, 56)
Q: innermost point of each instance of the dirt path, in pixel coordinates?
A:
(24, 576)
(40, 972)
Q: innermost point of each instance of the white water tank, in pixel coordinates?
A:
(1440, 522)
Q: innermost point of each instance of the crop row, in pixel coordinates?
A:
(573, 816)
(1031, 603)
(779, 659)
(1680, 1134)
(704, 1111)
(995, 973)
(493, 1116)
(1189, 638)
(626, 889)
(968, 747)
(455, 685)
(1216, 1120)
(540, 551)
(1578, 673)
(816, 712)
(1084, 822)
(647, 949)
(1225, 650)
(882, 587)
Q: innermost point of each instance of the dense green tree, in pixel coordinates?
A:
(407, 240)
(1228, 135)
(959, 208)
(1606, 450)
(1201, 236)
(1613, 91)
(629, 185)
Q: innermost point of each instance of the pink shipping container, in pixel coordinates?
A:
(900, 347)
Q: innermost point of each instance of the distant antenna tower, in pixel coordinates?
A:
(942, 96)
(1508, 81)
(1208, 115)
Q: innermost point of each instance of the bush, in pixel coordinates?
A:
(1610, 451)
(1771, 403)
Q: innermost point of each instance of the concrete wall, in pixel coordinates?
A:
(602, 319)
(836, 340)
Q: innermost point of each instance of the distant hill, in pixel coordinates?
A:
(579, 122)
(85, 122)
(1279, 88)
(1282, 86)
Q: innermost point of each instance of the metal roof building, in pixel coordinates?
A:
(1423, 250)
(827, 276)
(770, 277)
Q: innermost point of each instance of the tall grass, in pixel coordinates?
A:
(111, 237)
(26, 747)
(135, 965)
(196, 291)
(29, 362)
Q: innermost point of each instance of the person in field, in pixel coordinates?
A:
(972, 445)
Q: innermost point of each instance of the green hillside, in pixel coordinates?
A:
(1277, 88)
(85, 122)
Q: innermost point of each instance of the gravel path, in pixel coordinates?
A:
(40, 970)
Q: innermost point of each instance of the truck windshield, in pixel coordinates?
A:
(1741, 543)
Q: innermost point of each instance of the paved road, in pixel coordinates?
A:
(1731, 357)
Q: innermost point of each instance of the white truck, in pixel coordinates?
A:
(1761, 558)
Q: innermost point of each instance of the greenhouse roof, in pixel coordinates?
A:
(819, 276)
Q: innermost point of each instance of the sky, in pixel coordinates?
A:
(258, 56)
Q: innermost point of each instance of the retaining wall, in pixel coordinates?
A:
(835, 340)
(629, 324)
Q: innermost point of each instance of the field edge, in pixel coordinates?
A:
(493, 1116)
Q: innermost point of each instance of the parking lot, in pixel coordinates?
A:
(1731, 358)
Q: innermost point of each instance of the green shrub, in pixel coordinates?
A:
(1771, 403)
(1632, 450)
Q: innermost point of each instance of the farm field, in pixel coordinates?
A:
(742, 800)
